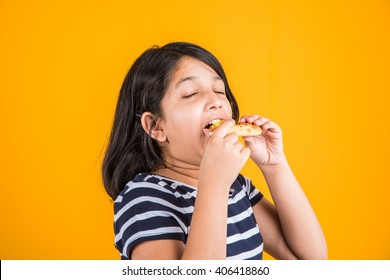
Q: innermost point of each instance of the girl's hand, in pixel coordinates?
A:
(223, 158)
(267, 148)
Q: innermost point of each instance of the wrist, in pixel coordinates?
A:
(276, 167)
(213, 187)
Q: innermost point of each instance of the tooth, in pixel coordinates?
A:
(214, 121)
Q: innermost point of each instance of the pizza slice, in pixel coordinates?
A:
(241, 129)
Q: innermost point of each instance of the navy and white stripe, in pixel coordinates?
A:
(153, 207)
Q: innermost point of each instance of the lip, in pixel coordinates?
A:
(213, 119)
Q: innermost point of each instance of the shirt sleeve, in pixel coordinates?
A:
(146, 211)
(253, 193)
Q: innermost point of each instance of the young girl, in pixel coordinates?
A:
(178, 192)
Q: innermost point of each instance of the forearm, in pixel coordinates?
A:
(207, 236)
(299, 223)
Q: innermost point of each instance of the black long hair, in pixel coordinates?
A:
(130, 149)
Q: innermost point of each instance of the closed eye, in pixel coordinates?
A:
(190, 95)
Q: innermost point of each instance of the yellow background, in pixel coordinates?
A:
(320, 69)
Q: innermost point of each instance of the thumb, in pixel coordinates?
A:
(248, 139)
(250, 142)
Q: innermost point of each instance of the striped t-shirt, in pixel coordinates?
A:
(153, 207)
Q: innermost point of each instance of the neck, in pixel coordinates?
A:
(185, 173)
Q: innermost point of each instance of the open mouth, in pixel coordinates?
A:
(211, 123)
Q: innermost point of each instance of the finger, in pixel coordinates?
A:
(248, 119)
(223, 129)
(270, 126)
(239, 147)
(249, 139)
(260, 121)
(231, 137)
(246, 152)
(243, 118)
(253, 118)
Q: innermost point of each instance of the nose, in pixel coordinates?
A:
(213, 102)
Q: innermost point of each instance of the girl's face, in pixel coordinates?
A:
(195, 96)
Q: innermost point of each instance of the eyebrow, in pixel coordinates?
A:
(191, 78)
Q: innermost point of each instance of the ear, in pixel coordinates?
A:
(152, 127)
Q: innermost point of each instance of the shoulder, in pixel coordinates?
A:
(150, 193)
(252, 192)
(148, 209)
(145, 189)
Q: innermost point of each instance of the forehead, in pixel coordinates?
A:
(189, 67)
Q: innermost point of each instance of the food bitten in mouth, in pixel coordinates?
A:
(241, 129)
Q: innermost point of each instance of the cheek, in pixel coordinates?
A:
(185, 137)
(185, 149)
(183, 133)
(184, 118)
(229, 107)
